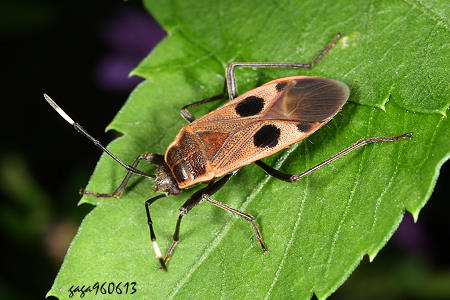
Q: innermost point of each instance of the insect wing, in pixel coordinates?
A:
(268, 119)
(308, 99)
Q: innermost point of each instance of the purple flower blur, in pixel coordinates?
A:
(131, 35)
(410, 236)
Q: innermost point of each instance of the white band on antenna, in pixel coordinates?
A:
(58, 109)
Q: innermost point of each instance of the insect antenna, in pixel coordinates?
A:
(92, 139)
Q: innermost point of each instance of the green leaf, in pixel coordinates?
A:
(393, 57)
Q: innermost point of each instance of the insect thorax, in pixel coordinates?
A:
(187, 160)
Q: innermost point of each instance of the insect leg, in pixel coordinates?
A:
(150, 157)
(231, 80)
(240, 214)
(152, 232)
(187, 206)
(188, 116)
(195, 199)
(293, 178)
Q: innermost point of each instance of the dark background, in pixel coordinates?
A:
(81, 54)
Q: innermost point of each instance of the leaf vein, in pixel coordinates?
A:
(348, 204)
(440, 20)
(219, 237)
(291, 238)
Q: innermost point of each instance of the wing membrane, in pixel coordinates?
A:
(310, 99)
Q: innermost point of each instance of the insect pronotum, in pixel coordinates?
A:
(250, 127)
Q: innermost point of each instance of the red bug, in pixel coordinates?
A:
(250, 127)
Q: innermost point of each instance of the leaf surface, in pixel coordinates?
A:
(393, 57)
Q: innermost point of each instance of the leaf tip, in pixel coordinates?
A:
(84, 200)
(372, 256)
(81, 202)
(133, 73)
(49, 294)
(109, 127)
(415, 215)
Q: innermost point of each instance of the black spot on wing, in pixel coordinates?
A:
(280, 86)
(267, 136)
(304, 127)
(250, 106)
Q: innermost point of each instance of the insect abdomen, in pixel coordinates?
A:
(187, 161)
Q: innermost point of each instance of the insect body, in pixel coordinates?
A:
(254, 125)
(250, 127)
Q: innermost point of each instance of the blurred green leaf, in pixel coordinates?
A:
(27, 215)
(19, 18)
(408, 278)
(392, 56)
